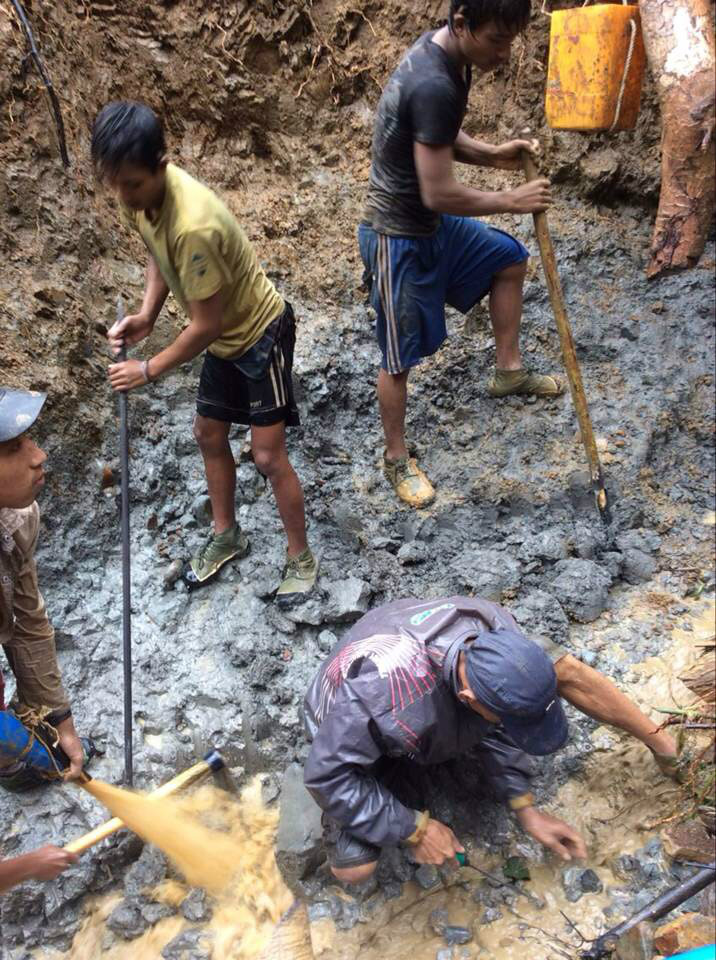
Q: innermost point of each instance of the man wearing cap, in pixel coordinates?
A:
(26, 634)
(432, 681)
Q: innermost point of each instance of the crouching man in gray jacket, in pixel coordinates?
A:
(432, 681)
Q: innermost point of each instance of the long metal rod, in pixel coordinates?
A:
(126, 572)
(655, 910)
(569, 354)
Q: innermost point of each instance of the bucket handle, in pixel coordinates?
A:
(548, 13)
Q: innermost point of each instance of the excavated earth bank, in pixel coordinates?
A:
(271, 103)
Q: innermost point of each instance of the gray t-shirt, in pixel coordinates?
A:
(424, 100)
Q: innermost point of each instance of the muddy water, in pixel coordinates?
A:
(219, 844)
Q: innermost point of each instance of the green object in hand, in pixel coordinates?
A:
(515, 868)
(462, 859)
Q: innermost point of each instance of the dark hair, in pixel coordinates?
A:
(513, 14)
(125, 131)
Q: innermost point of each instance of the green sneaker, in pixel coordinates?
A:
(299, 577)
(216, 552)
(521, 382)
(409, 481)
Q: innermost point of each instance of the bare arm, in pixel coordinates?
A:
(596, 695)
(205, 326)
(441, 192)
(42, 864)
(155, 291)
(475, 152)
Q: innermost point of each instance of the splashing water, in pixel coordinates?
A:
(219, 843)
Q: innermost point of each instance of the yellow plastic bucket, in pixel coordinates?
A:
(596, 66)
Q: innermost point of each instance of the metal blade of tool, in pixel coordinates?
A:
(569, 354)
(126, 571)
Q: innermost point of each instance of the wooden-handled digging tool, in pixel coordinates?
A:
(569, 354)
(212, 763)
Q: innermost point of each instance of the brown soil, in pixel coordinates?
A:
(270, 102)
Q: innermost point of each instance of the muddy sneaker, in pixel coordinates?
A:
(506, 382)
(216, 552)
(409, 481)
(299, 577)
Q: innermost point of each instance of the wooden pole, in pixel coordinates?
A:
(569, 354)
(105, 830)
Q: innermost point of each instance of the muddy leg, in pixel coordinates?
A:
(213, 439)
(268, 445)
(392, 398)
(506, 313)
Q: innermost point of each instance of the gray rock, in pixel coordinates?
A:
(548, 545)
(412, 553)
(188, 945)
(491, 914)
(427, 876)
(195, 907)
(455, 935)
(201, 509)
(347, 599)
(488, 572)
(299, 848)
(172, 572)
(637, 566)
(154, 912)
(126, 920)
(327, 640)
(147, 872)
(571, 881)
(540, 613)
(582, 588)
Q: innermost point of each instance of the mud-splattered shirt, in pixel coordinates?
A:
(200, 249)
(424, 101)
(26, 633)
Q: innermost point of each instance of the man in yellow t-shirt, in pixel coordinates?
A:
(198, 251)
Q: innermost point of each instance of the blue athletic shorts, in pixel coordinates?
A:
(412, 278)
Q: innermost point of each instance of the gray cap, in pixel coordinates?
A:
(18, 411)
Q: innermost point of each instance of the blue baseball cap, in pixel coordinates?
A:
(18, 411)
(514, 678)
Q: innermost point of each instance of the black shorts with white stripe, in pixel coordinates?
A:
(257, 387)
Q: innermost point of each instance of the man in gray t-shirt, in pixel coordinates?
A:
(419, 242)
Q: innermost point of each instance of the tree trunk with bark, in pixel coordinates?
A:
(679, 40)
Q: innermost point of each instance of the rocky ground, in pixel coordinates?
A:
(513, 520)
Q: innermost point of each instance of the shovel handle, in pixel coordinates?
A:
(569, 353)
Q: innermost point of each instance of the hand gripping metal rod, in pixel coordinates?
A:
(126, 573)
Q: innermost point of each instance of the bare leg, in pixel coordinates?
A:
(593, 694)
(268, 445)
(354, 874)
(213, 439)
(392, 398)
(506, 313)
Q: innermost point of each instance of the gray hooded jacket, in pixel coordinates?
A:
(388, 689)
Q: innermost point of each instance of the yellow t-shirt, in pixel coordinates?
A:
(201, 249)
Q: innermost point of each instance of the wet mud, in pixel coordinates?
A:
(279, 118)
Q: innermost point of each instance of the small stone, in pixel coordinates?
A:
(187, 946)
(582, 588)
(491, 914)
(347, 599)
(571, 881)
(427, 876)
(412, 553)
(299, 835)
(590, 882)
(454, 935)
(687, 932)
(126, 920)
(146, 872)
(194, 906)
(438, 920)
(172, 572)
(201, 508)
(327, 640)
(154, 912)
(688, 841)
